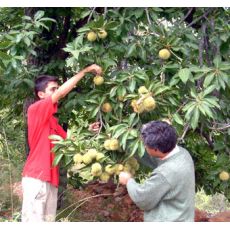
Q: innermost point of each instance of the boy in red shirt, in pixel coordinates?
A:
(40, 179)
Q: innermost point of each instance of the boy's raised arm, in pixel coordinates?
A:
(66, 87)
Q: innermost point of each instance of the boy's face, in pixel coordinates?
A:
(50, 89)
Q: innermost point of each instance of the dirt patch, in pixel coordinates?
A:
(101, 202)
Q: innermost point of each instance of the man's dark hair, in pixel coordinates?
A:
(159, 135)
(41, 83)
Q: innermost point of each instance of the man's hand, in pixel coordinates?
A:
(124, 177)
(94, 69)
(95, 127)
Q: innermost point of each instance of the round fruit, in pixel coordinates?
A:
(98, 80)
(107, 144)
(99, 156)
(114, 144)
(164, 54)
(109, 169)
(92, 153)
(77, 158)
(118, 168)
(120, 98)
(106, 107)
(224, 176)
(137, 108)
(142, 90)
(132, 161)
(127, 167)
(96, 169)
(149, 103)
(87, 158)
(91, 36)
(102, 34)
(104, 177)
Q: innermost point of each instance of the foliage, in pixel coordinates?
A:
(190, 88)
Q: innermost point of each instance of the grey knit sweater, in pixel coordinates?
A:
(169, 193)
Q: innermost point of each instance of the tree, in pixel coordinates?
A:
(190, 85)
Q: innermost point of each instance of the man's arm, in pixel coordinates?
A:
(66, 87)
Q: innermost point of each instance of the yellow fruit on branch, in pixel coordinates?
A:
(137, 107)
(224, 176)
(86, 159)
(102, 34)
(77, 158)
(164, 54)
(149, 103)
(99, 156)
(107, 144)
(92, 153)
(118, 168)
(98, 80)
(109, 169)
(114, 144)
(127, 167)
(104, 177)
(91, 36)
(132, 161)
(142, 90)
(106, 107)
(96, 169)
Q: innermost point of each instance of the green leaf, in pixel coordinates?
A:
(119, 132)
(212, 101)
(134, 149)
(39, 14)
(5, 44)
(141, 149)
(57, 159)
(132, 85)
(209, 90)
(4, 56)
(208, 79)
(217, 61)
(55, 137)
(195, 118)
(113, 91)
(131, 50)
(208, 111)
(184, 74)
(124, 139)
(177, 118)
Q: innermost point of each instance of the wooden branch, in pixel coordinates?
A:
(225, 126)
(147, 15)
(199, 18)
(187, 15)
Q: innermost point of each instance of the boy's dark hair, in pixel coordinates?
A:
(41, 83)
(159, 135)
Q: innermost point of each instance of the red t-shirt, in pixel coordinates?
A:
(42, 124)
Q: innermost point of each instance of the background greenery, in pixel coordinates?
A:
(191, 88)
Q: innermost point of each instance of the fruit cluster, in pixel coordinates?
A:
(145, 103)
(96, 163)
(92, 35)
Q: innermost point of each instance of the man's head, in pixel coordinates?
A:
(45, 86)
(159, 138)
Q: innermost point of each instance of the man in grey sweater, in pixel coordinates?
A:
(169, 193)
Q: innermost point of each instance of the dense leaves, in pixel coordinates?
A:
(190, 88)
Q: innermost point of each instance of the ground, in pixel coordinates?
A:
(108, 202)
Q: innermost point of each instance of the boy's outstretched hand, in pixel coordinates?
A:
(96, 69)
(124, 177)
(95, 127)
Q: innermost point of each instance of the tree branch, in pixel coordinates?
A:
(199, 18)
